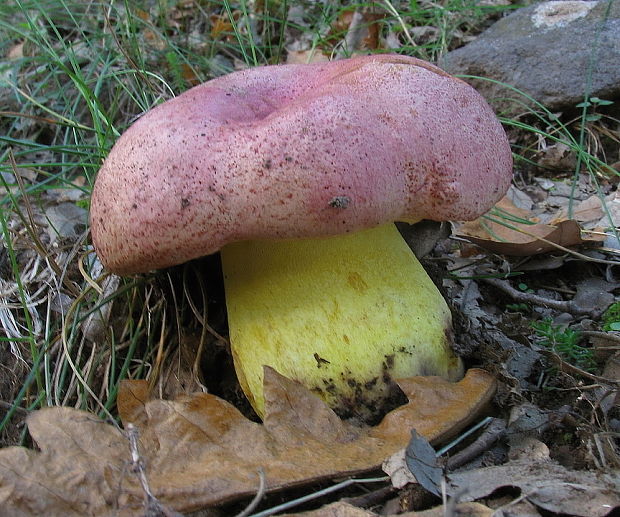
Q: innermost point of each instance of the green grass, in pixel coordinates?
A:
(611, 318)
(82, 72)
(565, 343)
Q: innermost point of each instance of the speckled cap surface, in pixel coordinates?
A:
(297, 151)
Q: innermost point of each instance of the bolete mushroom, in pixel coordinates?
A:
(297, 173)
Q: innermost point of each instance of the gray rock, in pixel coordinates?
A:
(546, 50)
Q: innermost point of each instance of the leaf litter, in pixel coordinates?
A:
(91, 447)
(200, 451)
(510, 230)
(421, 460)
(545, 483)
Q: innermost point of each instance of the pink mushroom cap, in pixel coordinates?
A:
(296, 151)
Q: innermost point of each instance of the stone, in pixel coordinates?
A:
(550, 51)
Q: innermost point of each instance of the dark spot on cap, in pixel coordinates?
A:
(340, 202)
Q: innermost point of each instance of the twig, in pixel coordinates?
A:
(491, 434)
(316, 495)
(610, 336)
(569, 368)
(8, 406)
(463, 436)
(257, 498)
(371, 498)
(559, 305)
(152, 506)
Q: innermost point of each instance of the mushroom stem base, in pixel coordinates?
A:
(342, 315)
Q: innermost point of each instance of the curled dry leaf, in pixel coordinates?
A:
(200, 451)
(513, 231)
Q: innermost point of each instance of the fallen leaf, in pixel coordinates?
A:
(589, 210)
(424, 34)
(368, 29)
(421, 460)
(200, 451)
(591, 214)
(558, 156)
(546, 484)
(396, 467)
(460, 509)
(154, 40)
(595, 294)
(16, 51)
(96, 325)
(334, 510)
(222, 26)
(314, 55)
(131, 401)
(66, 221)
(347, 510)
(513, 231)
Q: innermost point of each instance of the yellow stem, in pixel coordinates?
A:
(342, 315)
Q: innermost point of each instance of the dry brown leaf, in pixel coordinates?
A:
(154, 40)
(334, 510)
(16, 51)
(346, 510)
(558, 156)
(519, 238)
(460, 509)
(301, 57)
(142, 14)
(369, 22)
(133, 395)
(588, 210)
(189, 75)
(201, 451)
(546, 484)
(221, 25)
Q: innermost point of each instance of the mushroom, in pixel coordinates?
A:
(297, 173)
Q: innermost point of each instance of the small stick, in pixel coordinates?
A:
(611, 335)
(152, 505)
(18, 409)
(371, 498)
(569, 368)
(494, 431)
(559, 305)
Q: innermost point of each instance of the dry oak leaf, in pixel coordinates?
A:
(504, 230)
(200, 451)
